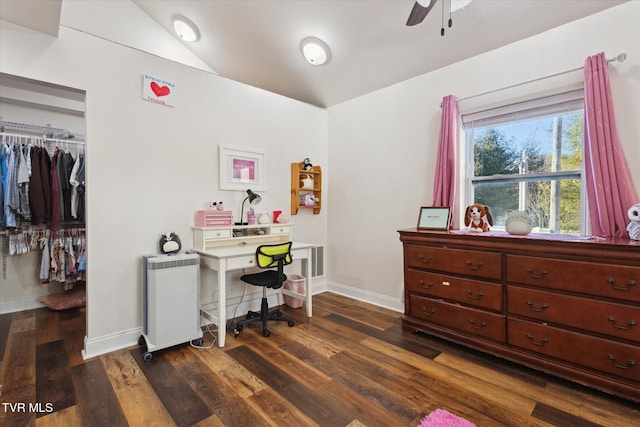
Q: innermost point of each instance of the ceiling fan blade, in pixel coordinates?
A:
(419, 11)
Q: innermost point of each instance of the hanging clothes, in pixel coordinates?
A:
(10, 188)
(3, 170)
(78, 188)
(66, 167)
(55, 191)
(39, 188)
(64, 258)
(23, 178)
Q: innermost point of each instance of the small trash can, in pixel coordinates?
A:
(295, 283)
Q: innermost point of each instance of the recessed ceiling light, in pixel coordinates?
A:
(315, 51)
(185, 29)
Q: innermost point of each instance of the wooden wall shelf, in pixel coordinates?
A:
(306, 188)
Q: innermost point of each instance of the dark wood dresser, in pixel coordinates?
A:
(564, 305)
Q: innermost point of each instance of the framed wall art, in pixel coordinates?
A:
(434, 218)
(242, 168)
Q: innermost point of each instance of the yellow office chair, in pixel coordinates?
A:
(268, 257)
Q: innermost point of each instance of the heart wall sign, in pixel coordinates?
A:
(158, 90)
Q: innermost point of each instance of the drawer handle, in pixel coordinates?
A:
(470, 293)
(539, 343)
(631, 323)
(630, 283)
(543, 307)
(630, 363)
(473, 324)
(428, 313)
(422, 284)
(422, 260)
(476, 267)
(537, 276)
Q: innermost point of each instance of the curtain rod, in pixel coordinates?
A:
(620, 58)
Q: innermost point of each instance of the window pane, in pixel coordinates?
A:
(543, 144)
(554, 206)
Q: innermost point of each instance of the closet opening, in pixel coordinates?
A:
(43, 240)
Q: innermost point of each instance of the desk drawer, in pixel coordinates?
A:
(281, 229)
(223, 233)
(243, 261)
(299, 254)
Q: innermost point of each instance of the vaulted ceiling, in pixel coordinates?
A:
(258, 42)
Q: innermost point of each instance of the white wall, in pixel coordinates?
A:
(382, 146)
(149, 167)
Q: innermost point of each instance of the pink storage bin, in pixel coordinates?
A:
(213, 218)
(295, 283)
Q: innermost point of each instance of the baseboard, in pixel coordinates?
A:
(19, 305)
(380, 300)
(106, 344)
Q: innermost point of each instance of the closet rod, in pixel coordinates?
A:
(45, 130)
(45, 139)
(620, 58)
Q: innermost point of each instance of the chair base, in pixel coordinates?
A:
(263, 316)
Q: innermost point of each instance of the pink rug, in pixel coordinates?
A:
(442, 418)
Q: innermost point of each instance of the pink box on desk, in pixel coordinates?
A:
(213, 218)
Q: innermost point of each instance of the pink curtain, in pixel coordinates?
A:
(444, 187)
(610, 189)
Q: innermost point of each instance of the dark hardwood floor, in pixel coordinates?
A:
(349, 365)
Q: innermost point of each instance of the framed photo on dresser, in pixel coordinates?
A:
(434, 218)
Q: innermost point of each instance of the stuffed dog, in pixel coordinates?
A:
(478, 217)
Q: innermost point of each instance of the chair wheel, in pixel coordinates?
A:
(266, 332)
(147, 356)
(279, 313)
(239, 328)
(291, 323)
(141, 340)
(198, 341)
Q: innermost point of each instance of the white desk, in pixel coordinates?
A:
(222, 252)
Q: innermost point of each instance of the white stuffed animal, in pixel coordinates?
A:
(634, 226)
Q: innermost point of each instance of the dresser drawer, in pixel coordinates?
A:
(603, 355)
(486, 265)
(470, 320)
(608, 280)
(467, 291)
(617, 320)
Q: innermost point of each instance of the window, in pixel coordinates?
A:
(528, 156)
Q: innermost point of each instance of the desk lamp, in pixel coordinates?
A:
(253, 199)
